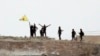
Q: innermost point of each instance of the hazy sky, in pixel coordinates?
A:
(68, 14)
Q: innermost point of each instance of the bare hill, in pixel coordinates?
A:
(95, 39)
(12, 46)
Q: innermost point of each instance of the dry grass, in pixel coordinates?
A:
(91, 39)
(48, 46)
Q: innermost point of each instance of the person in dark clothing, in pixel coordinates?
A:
(59, 32)
(44, 28)
(41, 32)
(81, 33)
(73, 34)
(31, 30)
(34, 29)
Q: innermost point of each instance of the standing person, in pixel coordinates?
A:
(81, 33)
(59, 32)
(41, 32)
(44, 28)
(73, 34)
(31, 30)
(34, 29)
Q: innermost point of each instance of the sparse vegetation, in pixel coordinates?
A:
(48, 46)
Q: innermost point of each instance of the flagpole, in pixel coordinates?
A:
(24, 18)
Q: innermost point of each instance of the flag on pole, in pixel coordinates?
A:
(24, 18)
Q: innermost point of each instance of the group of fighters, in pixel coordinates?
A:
(33, 29)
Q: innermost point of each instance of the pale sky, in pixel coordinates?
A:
(68, 14)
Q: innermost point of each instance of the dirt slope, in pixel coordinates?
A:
(50, 47)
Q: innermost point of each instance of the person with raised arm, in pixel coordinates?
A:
(34, 30)
(31, 30)
(44, 27)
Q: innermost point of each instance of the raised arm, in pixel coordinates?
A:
(40, 25)
(48, 25)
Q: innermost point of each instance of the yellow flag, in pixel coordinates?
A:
(24, 18)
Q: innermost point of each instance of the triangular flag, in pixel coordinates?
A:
(24, 18)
